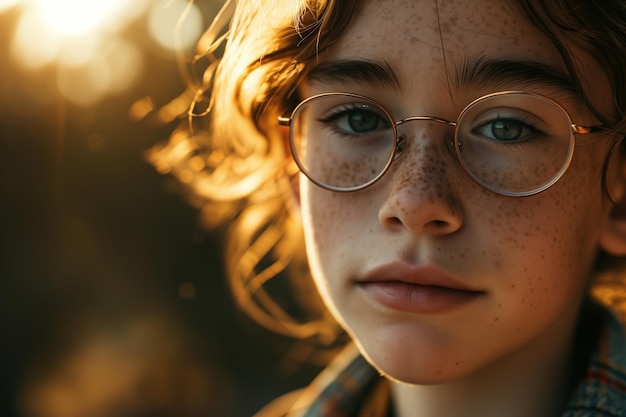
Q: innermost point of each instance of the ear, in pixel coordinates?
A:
(613, 237)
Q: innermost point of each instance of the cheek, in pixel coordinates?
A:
(332, 224)
(323, 213)
(550, 240)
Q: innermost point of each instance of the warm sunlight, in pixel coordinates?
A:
(85, 42)
(5, 4)
(69, 31)
(167, 14)
(77, 17)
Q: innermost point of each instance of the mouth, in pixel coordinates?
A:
(417, 288)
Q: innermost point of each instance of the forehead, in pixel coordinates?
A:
(429, 45)
(423, 33)
(406, 27)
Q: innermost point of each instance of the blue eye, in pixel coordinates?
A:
(507, 130)
(361, 121)
(356, 119)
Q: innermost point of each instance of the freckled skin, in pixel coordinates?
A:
(531, 256)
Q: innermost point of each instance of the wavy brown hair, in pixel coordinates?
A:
(233, 159)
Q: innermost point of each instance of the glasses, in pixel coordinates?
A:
(512, 143)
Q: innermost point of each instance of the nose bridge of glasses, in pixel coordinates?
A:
(402, 139)
(425, 119)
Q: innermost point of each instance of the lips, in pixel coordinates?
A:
(416, 288)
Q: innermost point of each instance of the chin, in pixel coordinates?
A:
(426, 375)
(416, 366)
(416, 354)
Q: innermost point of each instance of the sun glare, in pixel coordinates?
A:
(77, 17)
(6, 4)
(83, 40)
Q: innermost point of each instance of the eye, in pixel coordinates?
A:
(357, 119)
(507, 130)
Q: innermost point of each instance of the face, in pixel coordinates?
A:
(435, 277)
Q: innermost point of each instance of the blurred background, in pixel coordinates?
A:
(112, 296)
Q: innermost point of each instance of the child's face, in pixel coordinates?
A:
(523, 264)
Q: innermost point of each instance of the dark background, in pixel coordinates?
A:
(112, 296)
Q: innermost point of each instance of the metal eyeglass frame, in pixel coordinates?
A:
(575, 129)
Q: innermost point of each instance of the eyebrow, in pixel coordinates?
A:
(479, 72)
(506, 73)
(377, 74)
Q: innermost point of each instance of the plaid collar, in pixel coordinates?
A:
(351, 387)
(602, 391)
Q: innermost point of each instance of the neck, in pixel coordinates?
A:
(534, 381)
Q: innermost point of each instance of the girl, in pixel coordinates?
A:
(461, 185)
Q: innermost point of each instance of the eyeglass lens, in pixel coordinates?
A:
(511, 143)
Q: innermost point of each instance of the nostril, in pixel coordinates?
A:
(441, 225)
(393, 222)
(396, 221)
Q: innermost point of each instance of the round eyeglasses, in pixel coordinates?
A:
(512, 143)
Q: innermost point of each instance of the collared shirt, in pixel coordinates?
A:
(351, 387)
(602, 391)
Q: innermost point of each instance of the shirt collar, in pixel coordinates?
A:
(602, 391)
(351, 387)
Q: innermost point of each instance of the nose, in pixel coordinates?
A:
(421, 196)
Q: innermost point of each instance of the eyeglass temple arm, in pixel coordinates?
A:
(284, 120)
(583, 130)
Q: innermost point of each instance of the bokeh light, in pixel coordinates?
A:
(85, 43)
(166, 14)
(77, 17)
(116, 66)
(69, 31)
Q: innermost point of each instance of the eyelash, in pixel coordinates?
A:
(523, 123)
(337, 113)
